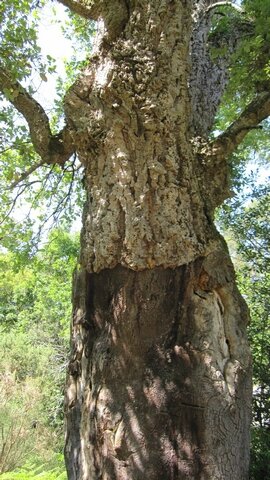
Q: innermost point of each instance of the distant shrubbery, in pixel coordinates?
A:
(248, 222)
(34, 337)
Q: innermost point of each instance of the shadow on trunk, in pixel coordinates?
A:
(159, 384)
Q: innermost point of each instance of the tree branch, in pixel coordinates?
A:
(26, 174)
(224, 4)
(254, 113)
(51, 148)
(114, 12)
(208, 76)
(90, 9)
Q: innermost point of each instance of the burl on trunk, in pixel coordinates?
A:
(159, 380)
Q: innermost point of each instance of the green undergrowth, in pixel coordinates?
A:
(54, 470)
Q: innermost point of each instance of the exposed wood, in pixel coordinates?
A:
(159, 378)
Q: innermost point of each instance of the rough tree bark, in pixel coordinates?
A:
(159, 382)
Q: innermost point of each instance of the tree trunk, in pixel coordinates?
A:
(159, 387)
(159, 380)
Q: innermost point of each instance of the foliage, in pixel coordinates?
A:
(249, 75)
(250, 66)
(34, 288)
(30, 471)
(19, 50)
(29, 208)
(45, 199)
(17, 413)
(248, 223)
(260, 454)
(34, 334)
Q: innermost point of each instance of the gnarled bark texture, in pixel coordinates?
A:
(159, 379)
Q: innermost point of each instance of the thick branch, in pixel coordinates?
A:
(224, 4)
(208, 76)
(51, 148)
(90, 9)
(114, 12)
(255, 112)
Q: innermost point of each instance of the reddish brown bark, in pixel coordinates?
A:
(159, 375)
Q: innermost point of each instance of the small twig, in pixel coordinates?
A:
(14, 147)
(26, 174)
(13, 203)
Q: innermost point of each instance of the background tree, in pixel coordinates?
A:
(248, 223)
(34, 338)
(159, 379)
